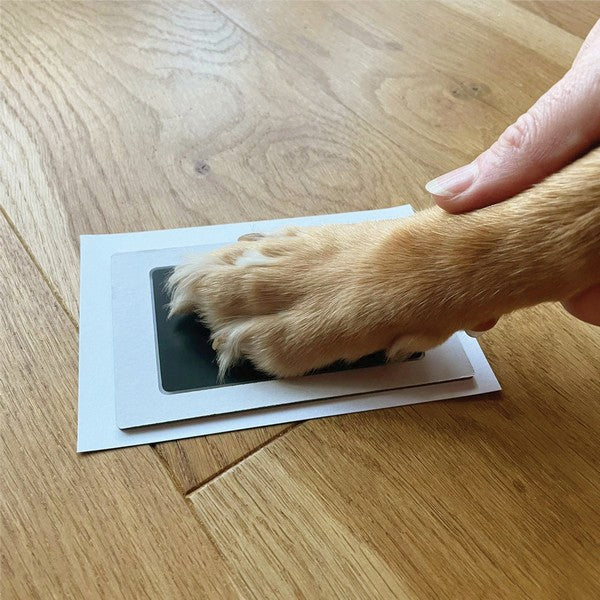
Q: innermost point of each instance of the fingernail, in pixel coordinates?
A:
(453, 183)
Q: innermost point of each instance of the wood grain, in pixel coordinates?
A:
(441, 80)
(123, 116)
(120, 116)
(108, 525)
(575, 17)
(492, 497)
(193, 462)
(153, 115)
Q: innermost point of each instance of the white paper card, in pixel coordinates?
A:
(141, 401)
(97, 426)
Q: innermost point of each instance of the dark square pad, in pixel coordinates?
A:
(186, 358)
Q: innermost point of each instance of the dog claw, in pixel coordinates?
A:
(217, 343)
(250, 237)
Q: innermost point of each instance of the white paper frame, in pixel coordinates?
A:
(141, 401)
(97, 428)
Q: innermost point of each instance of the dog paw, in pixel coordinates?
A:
(304, 298)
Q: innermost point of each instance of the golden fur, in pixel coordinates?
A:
(305, 297)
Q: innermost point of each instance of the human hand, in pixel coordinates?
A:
(559, 127)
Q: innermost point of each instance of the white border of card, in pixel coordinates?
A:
(101, 366)
(140, 400)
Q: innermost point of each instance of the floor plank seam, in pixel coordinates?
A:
(216, 546)
(241, 459)
(165, 465)
(190, 506)
(38, 266)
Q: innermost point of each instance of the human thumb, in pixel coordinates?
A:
(562, 124)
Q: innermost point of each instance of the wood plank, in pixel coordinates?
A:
(120, 116)
(442, 80)
(150, 115)
(193, 462)
(107, 525)
(522, 28)
(145, 115)
(494, 497)
(575, 17)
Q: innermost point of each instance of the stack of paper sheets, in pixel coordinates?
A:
(144, 378)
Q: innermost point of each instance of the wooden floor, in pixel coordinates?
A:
(144, 115)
